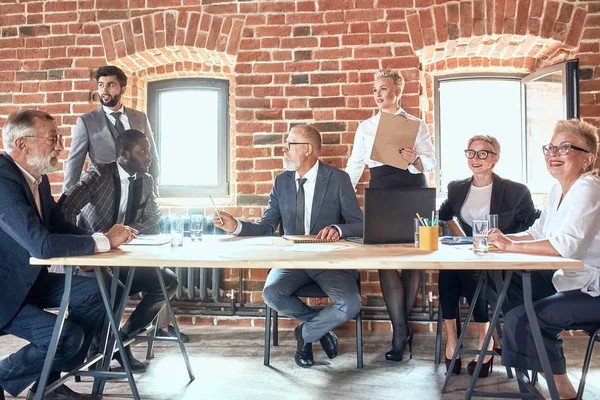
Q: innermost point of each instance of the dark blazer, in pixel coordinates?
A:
(24, 234)
(94, 202)
(94, 134)
(334, 203)
(510, 200)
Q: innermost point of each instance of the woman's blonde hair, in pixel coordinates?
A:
(393, 75)
(585, 131)
(488, 139)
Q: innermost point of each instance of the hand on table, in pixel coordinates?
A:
(120, 234)
(229, 222)
(329, 233)
(499, 240)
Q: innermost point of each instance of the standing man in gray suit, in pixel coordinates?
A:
(96, 131)
(310, 197)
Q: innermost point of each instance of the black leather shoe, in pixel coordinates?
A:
(170, 332)
(329, 343)
(63, 393)
(136, 365)
(304, 353)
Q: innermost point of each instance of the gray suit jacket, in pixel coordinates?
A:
(93, 203)
(93, 135)
(334, 203)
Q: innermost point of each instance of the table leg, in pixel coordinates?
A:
(114, 326)
(60, 319)
(174, 321)
(464, 331)
(537, 336)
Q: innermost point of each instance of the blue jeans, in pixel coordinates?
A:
(339, 285)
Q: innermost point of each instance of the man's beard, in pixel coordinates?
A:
(289, 165)
(114, 100)
(43, 164)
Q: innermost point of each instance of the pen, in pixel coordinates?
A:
(215, 207)
(420, 219)
(432, 217)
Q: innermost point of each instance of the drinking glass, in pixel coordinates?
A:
(417, 225)
(480, 236)
(177, 232)
(196, 227)
(492, 220)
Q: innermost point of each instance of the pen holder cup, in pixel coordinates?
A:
(428, 237)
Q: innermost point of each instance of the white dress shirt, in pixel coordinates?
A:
(102, 242)
(477, 203)
(573, 229)
(363, 145)
(124, 178)
(123, 117)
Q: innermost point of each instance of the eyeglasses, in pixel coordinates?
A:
(481, 154)
(287, 145)
(55, 139)
(561, 149)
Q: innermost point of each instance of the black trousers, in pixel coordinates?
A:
(452, 285)
(32, 323)
(145, 281)
(555, 312)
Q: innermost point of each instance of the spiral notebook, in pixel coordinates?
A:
(307, 239)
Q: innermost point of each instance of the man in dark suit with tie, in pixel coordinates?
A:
(31, 225)
(310, 197)
(96, 131)
(122, 192)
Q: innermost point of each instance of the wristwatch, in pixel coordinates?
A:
(414, 163)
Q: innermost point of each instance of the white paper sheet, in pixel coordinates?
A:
(151, 240)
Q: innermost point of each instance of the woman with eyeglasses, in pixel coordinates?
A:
(568, 227)
(399, 288)
(473, 199)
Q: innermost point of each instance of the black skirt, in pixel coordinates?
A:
(388, 177)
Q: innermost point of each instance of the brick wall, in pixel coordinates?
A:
(288, 62)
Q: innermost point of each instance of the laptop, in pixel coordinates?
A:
(389, 214)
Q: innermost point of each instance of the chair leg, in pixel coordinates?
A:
(275, 328)
(267, 349)
(150, 351)
(359, 341)
(586, 364)
(438, 336)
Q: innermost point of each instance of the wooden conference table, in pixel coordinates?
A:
(224, 251)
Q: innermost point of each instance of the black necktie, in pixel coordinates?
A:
(118, 124)
(130, 210)
(300, 207)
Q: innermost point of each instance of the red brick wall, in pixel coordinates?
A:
(287, 61)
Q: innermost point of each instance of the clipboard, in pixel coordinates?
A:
(394, 132)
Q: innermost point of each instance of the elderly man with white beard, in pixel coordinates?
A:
(31, 225)
(309, 198)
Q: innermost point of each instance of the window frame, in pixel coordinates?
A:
(442, 192)
(222, 188)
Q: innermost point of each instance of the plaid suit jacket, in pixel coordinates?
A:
(23, 233)
(94, 202)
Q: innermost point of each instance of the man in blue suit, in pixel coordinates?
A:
(31, 225)
(309, 198)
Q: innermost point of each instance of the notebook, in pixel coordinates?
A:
(307, 239)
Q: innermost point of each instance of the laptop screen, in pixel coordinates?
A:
(389, 213)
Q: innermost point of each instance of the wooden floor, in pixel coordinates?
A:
(228, 364)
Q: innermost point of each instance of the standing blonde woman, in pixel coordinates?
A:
(399, 288)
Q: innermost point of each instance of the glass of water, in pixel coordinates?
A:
(196, 227)
(492, 220)
(480, 236)
(417, 225)
(177, 225)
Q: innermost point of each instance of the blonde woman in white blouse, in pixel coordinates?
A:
(399, 288)
(568, 227)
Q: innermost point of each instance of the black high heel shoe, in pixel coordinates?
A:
(486, 368)
(457, 365)
(397, 354)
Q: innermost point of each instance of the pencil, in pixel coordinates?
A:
(215, 207)
(420, 219)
